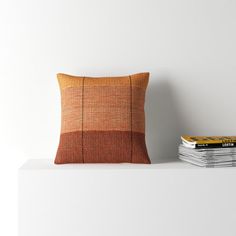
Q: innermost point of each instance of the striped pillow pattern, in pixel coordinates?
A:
(102, 119)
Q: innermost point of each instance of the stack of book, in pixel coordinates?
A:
(208, 151)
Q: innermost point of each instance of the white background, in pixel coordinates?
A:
(188, 46)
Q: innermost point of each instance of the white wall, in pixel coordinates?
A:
(188, 46)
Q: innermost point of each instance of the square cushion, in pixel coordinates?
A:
(102, 119)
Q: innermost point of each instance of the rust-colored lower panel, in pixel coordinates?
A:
(102, 147)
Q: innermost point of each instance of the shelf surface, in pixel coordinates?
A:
(48, 164)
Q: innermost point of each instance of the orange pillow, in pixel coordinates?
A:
(102, 119)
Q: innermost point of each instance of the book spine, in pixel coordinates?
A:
(215, 145)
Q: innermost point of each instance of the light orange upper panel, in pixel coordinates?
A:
(103, 103)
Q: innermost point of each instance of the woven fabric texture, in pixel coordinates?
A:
(102, 119)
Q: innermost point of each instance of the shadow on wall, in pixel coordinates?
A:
(163, 123)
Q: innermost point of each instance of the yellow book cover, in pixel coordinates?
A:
(208, 141)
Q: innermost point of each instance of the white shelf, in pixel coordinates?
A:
(164, 199)
(48, 164)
